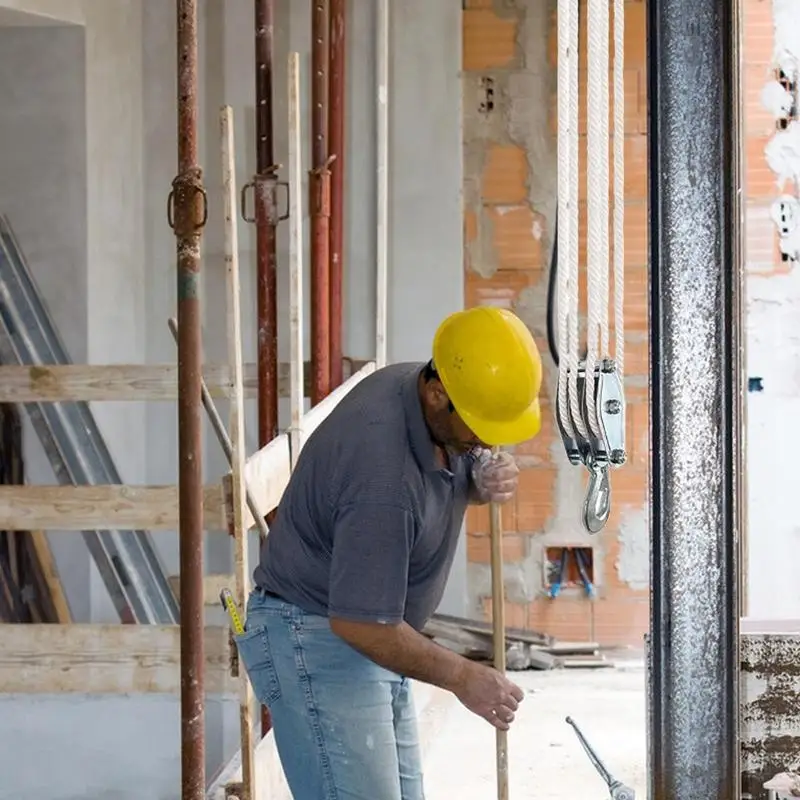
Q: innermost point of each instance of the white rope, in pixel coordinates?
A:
(597, 197)
(619, 185)
(573, 223)
(565, 167)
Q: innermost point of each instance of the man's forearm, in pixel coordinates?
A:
(405, 651)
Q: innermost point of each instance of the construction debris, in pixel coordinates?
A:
(784, 784)
(524, 649)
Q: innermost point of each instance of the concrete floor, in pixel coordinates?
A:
(546, 760)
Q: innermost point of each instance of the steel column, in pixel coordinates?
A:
(187, 212)
(693, 703)
(336, 122)
(265, 185)
(320, 204)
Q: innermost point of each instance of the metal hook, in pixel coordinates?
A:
(597, 506)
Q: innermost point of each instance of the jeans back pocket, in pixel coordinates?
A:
(256, 656)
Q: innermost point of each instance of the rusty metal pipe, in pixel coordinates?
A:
(187, 212)
(336, 122)
(266, 218)
(265, 185)
(320, 204)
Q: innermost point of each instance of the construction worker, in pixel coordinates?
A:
(360, 550)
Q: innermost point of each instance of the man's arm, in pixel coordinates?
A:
(403, 650)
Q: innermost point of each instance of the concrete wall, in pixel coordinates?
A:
(114, 301)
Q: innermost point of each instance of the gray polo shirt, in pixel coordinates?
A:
(368, 525)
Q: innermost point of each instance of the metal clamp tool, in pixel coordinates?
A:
(617, 789)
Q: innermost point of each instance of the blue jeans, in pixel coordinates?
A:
(345, 728)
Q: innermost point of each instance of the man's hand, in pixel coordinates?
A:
(489, 694)
(495, 477)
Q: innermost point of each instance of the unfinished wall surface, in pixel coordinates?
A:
(128, 147)
(43, 193)
(772, 173)
(510, 197)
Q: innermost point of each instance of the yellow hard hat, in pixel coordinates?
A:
(491, 369)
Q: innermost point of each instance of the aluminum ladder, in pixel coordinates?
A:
(127, 560)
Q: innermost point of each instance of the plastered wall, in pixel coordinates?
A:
(114, 303)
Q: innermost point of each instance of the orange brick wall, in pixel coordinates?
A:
(510, 195)
(762, 252)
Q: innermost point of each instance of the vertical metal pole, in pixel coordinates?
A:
(693, 740)
(187, 215)
(266, 219)
(382, 180)
(336, 122)
(320, 205)
(296, 238)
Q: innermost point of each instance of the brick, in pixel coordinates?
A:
(758, 121)
(538, 452)
(637, 354)
(635, 232)
(637, 435)
(477, 519)
(516, 614)
(479, 548)
(517, 236)
(762, 252)
(505, 175)
(566, 617)
(635, 301)
(760, 182)
(501, 289)
(622, 621)
(489, 41)
(532, 507)
(629, 487)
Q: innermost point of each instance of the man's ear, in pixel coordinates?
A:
(437, 395)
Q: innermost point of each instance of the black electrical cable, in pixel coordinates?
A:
(552, 281)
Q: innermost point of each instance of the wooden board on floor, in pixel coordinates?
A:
(109, 507)
(105, 659)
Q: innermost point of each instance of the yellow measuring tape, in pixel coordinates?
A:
(229, 604)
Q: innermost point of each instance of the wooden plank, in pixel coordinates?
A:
(127, 382)
(47, 567)
(238, 491)
(115, 507)
(105, 659)
(213, 584)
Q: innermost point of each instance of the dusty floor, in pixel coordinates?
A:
(546, 760)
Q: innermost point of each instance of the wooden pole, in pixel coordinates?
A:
(296, 233)
(499, 635)
(239, 491)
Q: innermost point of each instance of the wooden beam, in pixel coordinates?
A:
(236, 425)
(47, 567)
(108, 507)
(212, 585)
(126, 382)
(105, 659)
